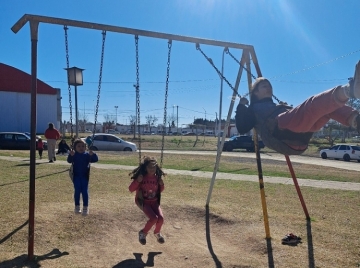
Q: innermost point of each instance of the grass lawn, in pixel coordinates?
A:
(231, 235)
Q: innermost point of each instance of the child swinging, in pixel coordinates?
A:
(288, 130)
(148, 184)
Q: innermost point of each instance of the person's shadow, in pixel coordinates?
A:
(23, 261)
(138, 262)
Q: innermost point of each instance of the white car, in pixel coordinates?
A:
(112, 131)
(342, 151)
(109, 142)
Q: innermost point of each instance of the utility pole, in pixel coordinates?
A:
(177, 118)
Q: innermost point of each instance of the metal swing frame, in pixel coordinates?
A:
(34, 22)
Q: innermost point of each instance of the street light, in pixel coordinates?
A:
(75, 78)
(177, 117)
(116, 107)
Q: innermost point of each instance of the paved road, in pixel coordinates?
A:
(350, 186)
(353, 165)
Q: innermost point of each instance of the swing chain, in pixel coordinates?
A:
(228, 52)
(138, 94)
(166, 97)
(69, 88)
(217, 70)
(99, 86)
(253, 76)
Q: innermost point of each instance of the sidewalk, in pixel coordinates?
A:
(349, 186)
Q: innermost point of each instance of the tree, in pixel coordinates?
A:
(151, 121)
(82, 121)
(108, 121)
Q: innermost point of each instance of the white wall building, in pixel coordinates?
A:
(15, 102)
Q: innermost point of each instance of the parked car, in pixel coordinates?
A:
(112, 131)
(241, 142)
(16, 141)
(110, 142)
(342, 151)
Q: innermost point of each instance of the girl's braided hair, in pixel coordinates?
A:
(141, 169)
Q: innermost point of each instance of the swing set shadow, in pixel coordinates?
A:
(39, 177)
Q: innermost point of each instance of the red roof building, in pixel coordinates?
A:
(15, 105)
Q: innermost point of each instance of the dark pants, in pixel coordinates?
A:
(81, 187)
(62, 151)
(40, 152)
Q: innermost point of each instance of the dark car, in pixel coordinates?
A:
(16, 141)
(241, 142)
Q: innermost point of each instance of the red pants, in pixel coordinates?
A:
(315, 112)
(153, 211)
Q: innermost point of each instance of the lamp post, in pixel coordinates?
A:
(116, 107)
(177, 117)
(75, 78)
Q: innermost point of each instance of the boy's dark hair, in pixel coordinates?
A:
(141, 169)
(77, 141)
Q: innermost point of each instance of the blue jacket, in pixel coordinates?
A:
(81, 163)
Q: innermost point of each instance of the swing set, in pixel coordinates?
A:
(248, 55)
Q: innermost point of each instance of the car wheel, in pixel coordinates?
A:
(359, 161)
(229, 149)
(346, 157)
(93, 148)
(323, 155)
(127, 149)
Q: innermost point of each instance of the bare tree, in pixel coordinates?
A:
(83, 119)
(132, 121)
(108, 121)
(151, 121)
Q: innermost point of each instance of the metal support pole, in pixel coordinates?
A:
(34, 38)
(76, 114)
(221, 94)
(297, 187)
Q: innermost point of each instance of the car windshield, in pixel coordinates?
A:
(27, 135)
(233, 138)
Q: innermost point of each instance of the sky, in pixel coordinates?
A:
(303, 47)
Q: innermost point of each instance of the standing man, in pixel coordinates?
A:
(51, 135)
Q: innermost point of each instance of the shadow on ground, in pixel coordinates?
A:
(22, 261)
(138, 262)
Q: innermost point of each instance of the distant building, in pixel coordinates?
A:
(15, 102)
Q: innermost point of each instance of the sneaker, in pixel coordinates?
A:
(290, 239)
(142, 237)
(160, 238)
(77, 210)
(355, 83)
(51, 161)
(85, 211)
(54, 158)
